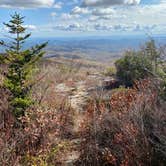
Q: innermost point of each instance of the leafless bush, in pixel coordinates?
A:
(134, 134)
(40, 134)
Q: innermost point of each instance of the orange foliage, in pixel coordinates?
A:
(114, 127)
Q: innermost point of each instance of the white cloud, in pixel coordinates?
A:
(58, 5)
(142, 18)
(163, 2)
(26, 3)
(67, 16)
(78, 10)
(94, 3)
(31, 27)
(101, 27)
(103, 11)
(70, 27)
(103, 16)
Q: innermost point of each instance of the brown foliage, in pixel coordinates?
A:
(127, 133)
(39, 133)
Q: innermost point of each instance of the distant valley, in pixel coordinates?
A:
(93, 48)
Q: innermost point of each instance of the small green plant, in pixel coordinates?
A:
(111, 71)
(20, 65)
(163, 89)
(50, 158)
(153, 54)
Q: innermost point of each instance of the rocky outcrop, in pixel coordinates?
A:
(111, 83)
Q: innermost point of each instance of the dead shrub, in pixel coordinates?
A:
(130, 133)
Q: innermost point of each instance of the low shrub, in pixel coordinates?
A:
(133, 66)
(122, 136)
(39, 135)
(111, 71)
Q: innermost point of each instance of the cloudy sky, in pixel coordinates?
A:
(51, 18)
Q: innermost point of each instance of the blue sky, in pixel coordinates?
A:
(54, 18)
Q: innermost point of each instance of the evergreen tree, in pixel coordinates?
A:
(20, 65)
(133, 66)
(152, 53)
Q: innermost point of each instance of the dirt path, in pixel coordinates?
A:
(78, 98)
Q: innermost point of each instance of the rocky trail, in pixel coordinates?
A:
(77, 97)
